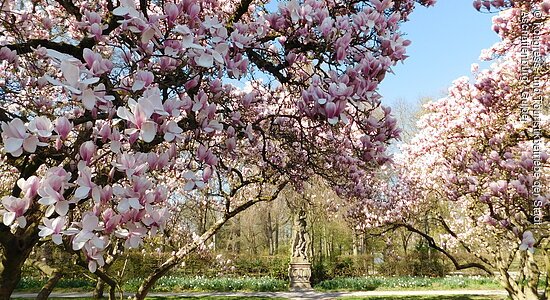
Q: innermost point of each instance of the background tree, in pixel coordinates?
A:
(483, 150)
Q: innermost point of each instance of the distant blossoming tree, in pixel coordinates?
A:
(479, 167)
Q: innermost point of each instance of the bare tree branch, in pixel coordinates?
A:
(433, 245)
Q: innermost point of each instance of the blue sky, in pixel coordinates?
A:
(446, 39)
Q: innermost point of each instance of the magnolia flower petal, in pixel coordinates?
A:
(148, 131)
(12, 144)
(82, 192)
(205, 60)
(8, 218)
(62, 207)
(30, 144)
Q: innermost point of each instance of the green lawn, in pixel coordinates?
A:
(177, 298)
(408, 283)
(216, 298)
(343, 298)
(426, 298)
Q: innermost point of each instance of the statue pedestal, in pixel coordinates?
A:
(299, 273)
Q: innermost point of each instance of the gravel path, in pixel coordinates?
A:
(298, 295)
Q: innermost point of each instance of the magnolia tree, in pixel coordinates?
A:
(479, 167)
(105, 104)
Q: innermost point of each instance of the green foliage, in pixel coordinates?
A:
(34, 284)
(422, 261)
(269, 266)
(220, 284)
(339, 266)
(319, 273)
(30, 283)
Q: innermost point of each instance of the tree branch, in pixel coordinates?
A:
(182, 253)
(71, 8)
(433, 245)
(239, 12)
(268, 66)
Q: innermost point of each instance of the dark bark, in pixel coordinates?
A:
(50, 285)
(16, 251)
(71, 8)
(53, 274)
(99, 289)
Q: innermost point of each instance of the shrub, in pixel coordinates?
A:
(422, 261)
(33, 283)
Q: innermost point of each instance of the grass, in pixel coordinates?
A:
(407, 283)
(216, 298)
(343, 298)
(426, 298)
(202, 298)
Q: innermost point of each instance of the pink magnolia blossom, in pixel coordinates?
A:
(14, 210)
(53, 227)
(95, 255)
(111, 220)
(527, 242)
(84, 182)
(16, 138)
(63, 127)
(41, 126)
(52, 187)
(143, 79)
(87, 151)
(86, 232)
(29, 186)
(155, 219)
(139, 115)
(134, 235)
(9, 55)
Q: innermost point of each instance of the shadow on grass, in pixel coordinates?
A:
(349, 284)
(198, 297)
(435, 297)
(216, 298)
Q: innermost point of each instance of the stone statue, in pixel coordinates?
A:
(301, 241)
(299, 270)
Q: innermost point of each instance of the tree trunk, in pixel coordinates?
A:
(238, 233)
(276, 237)
(54, 275)
(269, 234)
(546, 285)
(362, 244)
(99, 289)
(50, 285)
(16, 252)
(355, 243)
(175, 259)
(16, 249)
